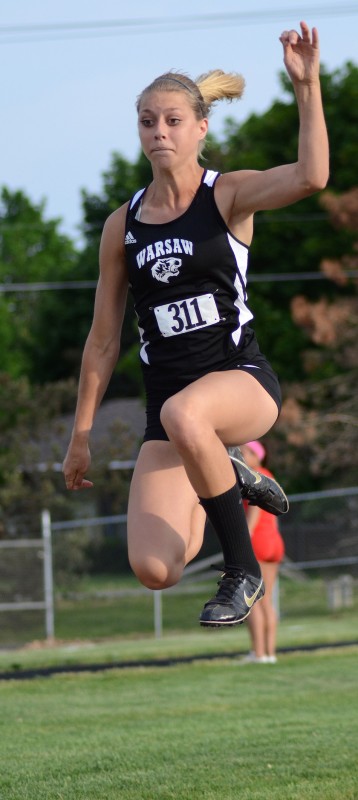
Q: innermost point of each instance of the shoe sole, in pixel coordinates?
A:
(216, 624)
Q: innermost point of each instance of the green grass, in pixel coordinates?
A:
(121, 629)
(206, 730)
(93, 617)
(230, 642)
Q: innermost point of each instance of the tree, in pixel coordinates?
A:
(319, 420)
(31, 440)
(297, 239)
(44, 332)
(25, 413)
(293, 240)
(38, 336)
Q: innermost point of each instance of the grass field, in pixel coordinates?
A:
(91, 615)
(208, 730)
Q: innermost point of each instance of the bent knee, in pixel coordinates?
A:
(155, 574)
(180, 421)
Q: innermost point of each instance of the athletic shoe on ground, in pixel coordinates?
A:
(271, 659)
(236, 595)
(252, 658)
(258, 489)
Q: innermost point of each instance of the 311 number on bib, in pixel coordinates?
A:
(183, 316)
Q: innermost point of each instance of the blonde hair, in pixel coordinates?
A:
(218, 85)
(202, 93)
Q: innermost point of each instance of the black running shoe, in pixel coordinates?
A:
(234, 599)
(258, 489)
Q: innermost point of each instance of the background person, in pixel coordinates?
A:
(269, 549)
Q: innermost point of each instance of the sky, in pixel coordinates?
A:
(68, 101)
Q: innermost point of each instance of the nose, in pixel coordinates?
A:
(160, 130)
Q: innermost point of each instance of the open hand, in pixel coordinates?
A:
(301, 54)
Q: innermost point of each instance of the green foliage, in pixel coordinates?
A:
(340, 94)
(46, 341)
(120, 182)
(27, 431)
(42, 332)
(32, 434)
(70, 557)
(40, 329)
(295, 240)
(288, 240)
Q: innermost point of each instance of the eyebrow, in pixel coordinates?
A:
(150, 111)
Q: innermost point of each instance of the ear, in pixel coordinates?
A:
(203, 128)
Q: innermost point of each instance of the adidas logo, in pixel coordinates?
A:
(130, 239)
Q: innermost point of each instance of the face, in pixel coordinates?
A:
(168, 129)
(250, 457)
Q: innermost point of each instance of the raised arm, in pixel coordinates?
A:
(101, 349)
(274, 188)
(301, 59)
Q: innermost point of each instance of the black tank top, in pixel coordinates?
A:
(188, 280)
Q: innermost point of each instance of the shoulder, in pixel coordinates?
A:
(229, 184)
(230, 193)
(117, 220)
(231, 181)
(112, 250)
(114, 228)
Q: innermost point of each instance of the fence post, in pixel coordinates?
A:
(346, 582)
(158, 614)
(48, 574)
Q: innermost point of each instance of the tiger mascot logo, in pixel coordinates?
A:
(166, 268)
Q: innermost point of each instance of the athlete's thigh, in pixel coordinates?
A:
(161, 504)
(235, 403)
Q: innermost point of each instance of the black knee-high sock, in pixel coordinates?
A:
(227, 515)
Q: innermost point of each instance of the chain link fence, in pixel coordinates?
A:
(321, 540)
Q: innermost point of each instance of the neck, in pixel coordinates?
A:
(174, 188)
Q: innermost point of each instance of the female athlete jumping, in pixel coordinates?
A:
(181, 246)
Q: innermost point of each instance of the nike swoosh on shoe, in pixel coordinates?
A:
(250, 600)
(252, 472)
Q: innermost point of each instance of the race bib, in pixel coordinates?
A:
(183, 316)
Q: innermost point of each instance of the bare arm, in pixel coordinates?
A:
(101, 349)
(274, 188)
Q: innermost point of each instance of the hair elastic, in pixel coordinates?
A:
(181, 83)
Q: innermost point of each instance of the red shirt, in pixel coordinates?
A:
(266, 539)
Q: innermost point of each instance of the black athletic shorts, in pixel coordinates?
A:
(160, 386)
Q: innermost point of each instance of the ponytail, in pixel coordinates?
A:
(218, 85)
